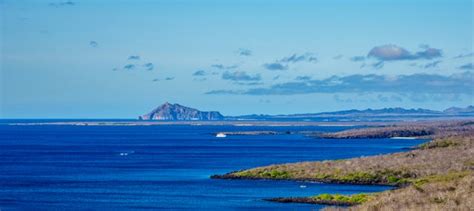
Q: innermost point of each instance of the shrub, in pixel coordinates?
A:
(270, 174)
(440, 178)
(346, 199)
(439, 144)
(275, 174)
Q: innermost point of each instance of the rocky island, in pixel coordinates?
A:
(173, 112)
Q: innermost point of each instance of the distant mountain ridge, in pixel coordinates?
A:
(354, 114)
(457, 110)
(175, 112)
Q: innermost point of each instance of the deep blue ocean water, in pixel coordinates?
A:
(162, 167)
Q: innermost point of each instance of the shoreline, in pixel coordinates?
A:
(308, 200)
(229, 176)
(426, 164)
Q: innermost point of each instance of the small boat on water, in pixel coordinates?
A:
(221, 135)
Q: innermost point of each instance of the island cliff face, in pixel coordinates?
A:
(175, 111)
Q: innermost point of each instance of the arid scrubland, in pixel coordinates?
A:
(452, 191)
(438, 175)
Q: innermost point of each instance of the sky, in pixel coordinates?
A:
(122, 58)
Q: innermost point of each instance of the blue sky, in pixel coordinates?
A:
(120, 59)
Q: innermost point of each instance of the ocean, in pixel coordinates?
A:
(58, 167)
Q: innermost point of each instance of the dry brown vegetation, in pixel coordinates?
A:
(392, 169)
(436, 176)
(453, 191)
(425, 129)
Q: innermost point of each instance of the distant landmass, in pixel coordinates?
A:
(367, 114)
(175, 112)
(172, 112)
(455, 110)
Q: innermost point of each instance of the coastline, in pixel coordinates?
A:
(429, 162)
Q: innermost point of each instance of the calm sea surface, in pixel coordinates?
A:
(162, 167)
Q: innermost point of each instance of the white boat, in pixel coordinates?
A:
(221, 135)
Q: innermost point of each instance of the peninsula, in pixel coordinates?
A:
(438, 175)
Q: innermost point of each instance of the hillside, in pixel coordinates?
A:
(173, 112)
(436, 176)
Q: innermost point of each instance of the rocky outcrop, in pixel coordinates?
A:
(173, 112)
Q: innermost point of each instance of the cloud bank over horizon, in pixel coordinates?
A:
(460, 83)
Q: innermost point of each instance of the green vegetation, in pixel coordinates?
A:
(343, 199)
(270, 174)
(447, 142)
(438, 175)
(386, 176)
(443, 178)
